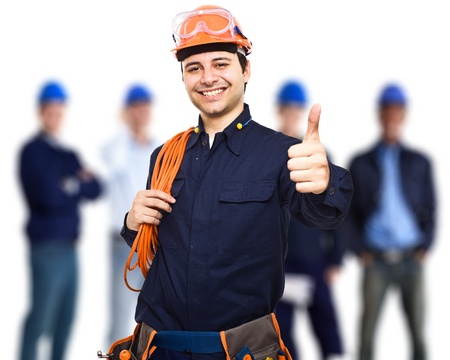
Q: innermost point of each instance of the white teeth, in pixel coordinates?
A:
(212, 93)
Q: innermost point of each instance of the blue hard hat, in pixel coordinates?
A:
(392, 94)
(137, 93)
(52, 91)
(292, 92)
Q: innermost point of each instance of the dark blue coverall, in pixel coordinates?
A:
(220, 262)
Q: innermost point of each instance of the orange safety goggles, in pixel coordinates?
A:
(217, 23)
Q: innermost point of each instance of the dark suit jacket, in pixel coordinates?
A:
(419, 191)
(52, 213)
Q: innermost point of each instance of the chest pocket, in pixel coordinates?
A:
(247, 210)
(240, 193)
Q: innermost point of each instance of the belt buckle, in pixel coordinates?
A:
(393, 256)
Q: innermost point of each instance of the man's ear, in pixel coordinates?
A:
(247, 72)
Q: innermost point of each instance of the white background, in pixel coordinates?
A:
(344, 51)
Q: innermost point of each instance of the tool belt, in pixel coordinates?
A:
(259, 339)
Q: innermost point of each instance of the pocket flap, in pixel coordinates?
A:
(244, 192)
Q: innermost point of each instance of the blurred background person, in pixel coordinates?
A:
(313, 259)
(127, 158)
(54, 183)
(391, 224)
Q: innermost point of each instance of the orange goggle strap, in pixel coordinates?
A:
(166, 168)
(214, 21)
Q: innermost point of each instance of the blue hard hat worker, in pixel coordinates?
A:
(291, 101)
(392, 103)
(52, 102)
(138, 93)
(292, 92)
(137, 110)
(52, 91)
(392, 94)
(55, 183)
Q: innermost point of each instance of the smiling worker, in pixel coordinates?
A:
(216, 271)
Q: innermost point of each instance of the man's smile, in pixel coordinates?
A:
(212, 93)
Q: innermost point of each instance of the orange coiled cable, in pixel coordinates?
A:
(166, 168)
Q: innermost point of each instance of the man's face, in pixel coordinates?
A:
(51, 116)
(392, 118)
(290, 117)
(215, 83)
(138, 115)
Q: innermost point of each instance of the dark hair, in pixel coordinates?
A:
(244, 62)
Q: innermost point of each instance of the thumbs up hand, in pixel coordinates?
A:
(308, 160)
